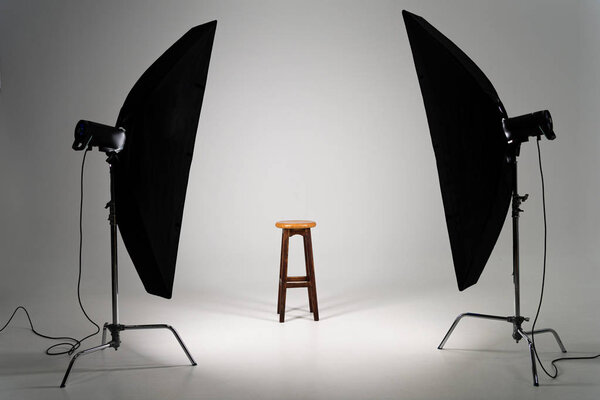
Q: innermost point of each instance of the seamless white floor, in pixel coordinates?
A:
(370, 344)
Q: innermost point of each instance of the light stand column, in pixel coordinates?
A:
(516, 203)
(115, 327)
(114, 270)
(517, 200)
(518, 320)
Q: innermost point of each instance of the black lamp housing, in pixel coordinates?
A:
(519, 129)
(92, 134)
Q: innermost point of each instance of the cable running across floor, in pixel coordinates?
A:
(70, 343)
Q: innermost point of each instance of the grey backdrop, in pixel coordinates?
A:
(312, 110)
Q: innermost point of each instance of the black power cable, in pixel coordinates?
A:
(553, 362)
(71, 347)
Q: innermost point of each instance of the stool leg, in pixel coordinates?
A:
(279, 284)
(313, 284)
(308, 274)
(284, 267)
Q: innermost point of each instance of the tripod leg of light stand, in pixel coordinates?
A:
(163, 326)
(532, 354)
(472, 315)
(104, 328)
(82, 353)
(553, 332)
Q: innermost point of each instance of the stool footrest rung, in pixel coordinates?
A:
(296, 284)
(297, 278)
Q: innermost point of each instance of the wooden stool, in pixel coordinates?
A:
(291, 228)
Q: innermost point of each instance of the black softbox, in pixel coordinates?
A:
(160, 117)
(465, 121)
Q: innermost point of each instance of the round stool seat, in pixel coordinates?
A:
(295, 224)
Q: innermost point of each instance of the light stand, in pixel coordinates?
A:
(115, 327)
(516, 320)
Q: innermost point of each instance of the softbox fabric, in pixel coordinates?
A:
(465, 121)
(160, 117)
